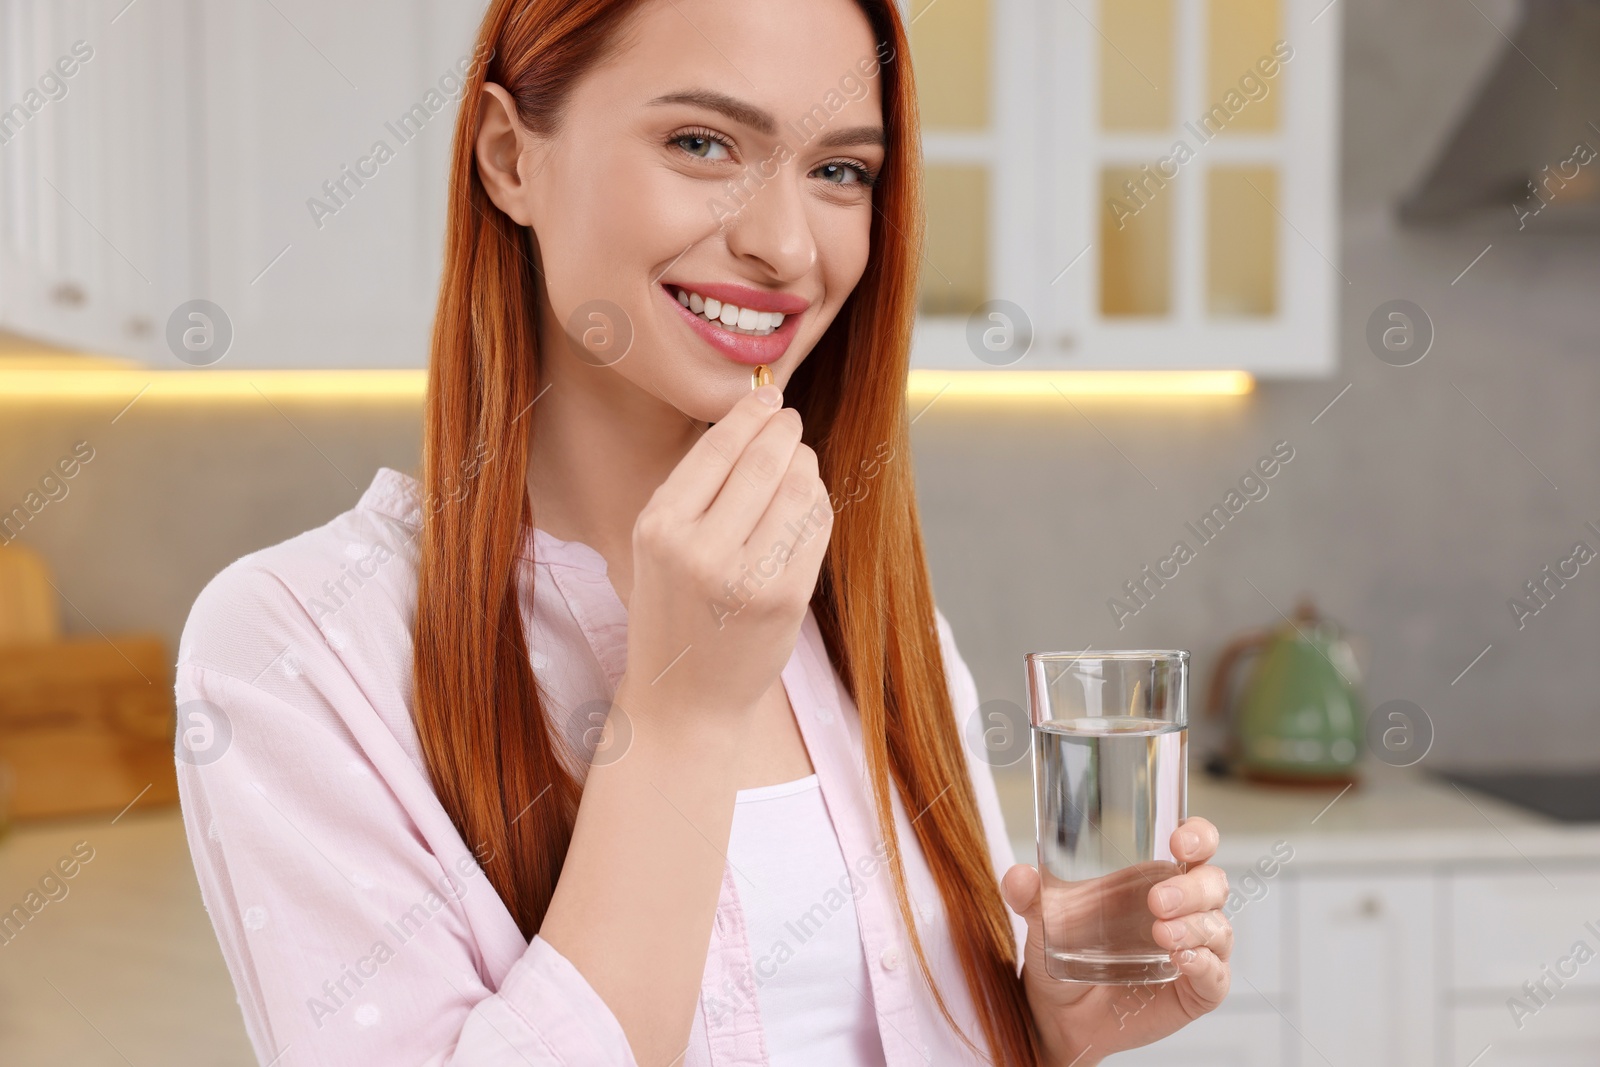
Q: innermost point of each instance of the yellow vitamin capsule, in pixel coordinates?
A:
(762, 375)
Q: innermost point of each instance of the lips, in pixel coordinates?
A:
(743, 348)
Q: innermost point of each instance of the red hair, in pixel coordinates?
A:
(484, 730)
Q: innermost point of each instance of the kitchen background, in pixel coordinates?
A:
(1419, 501)
(1413, 510)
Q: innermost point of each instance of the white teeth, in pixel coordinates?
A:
(731, 316)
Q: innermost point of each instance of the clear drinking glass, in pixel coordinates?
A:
(1110, 772)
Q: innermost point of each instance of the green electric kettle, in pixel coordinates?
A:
(1298, 719)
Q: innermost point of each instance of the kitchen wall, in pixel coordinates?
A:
(1412, 509)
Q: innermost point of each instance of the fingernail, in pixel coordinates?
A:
(1168, 897)
(1188, 840)
(1186, 956)
(1178, 931)
(770, 395)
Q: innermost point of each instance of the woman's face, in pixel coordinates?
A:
(727, 151)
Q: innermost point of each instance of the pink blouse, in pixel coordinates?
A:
(358, 926)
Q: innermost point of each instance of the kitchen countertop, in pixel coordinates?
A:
(1393, 816)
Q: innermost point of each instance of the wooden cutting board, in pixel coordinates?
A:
(86, 724)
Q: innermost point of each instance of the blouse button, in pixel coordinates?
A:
(890, 958)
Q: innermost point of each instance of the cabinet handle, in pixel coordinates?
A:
(68, 294)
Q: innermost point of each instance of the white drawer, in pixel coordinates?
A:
(1505, 929)
(1565, 1033)
(1253, 1039)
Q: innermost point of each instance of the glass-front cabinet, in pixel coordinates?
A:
(1129, 184)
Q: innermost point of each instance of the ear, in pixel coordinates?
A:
(501, 145)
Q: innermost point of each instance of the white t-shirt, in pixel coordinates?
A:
(810, 969)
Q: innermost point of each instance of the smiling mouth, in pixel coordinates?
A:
(729, 317)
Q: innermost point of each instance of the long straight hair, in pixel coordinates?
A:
(485, 734)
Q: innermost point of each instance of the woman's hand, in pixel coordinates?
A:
(725, 559)
(1081, 1024)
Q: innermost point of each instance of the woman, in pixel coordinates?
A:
(630, 735)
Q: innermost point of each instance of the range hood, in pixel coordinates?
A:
(1529, 142)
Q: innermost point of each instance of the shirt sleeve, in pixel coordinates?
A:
(964, 701)
(348, 938)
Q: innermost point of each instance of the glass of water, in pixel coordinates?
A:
(1110, 758)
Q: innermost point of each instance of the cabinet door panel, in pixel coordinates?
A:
(1365, 969)
(1221, 1039)
(1564, 1033)
(1258, 939)
(1505, 929)
(95, 246)
(1142, 213)
(327, 134)
(1207, 222)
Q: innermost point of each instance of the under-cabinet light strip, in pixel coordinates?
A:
(121, 384)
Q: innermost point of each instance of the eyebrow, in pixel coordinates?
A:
(762, 121)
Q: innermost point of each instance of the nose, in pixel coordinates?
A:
(769, 226)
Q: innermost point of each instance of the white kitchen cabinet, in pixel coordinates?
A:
(1508, 927)
(1565, 1033)
(1406, 917)
(1221, 1039)
(327, 137)
(1258, 945)
(190, 157)
(188, 160)
(1365, 969)
(96, 244)
(1223, 253)
(1524, 976)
